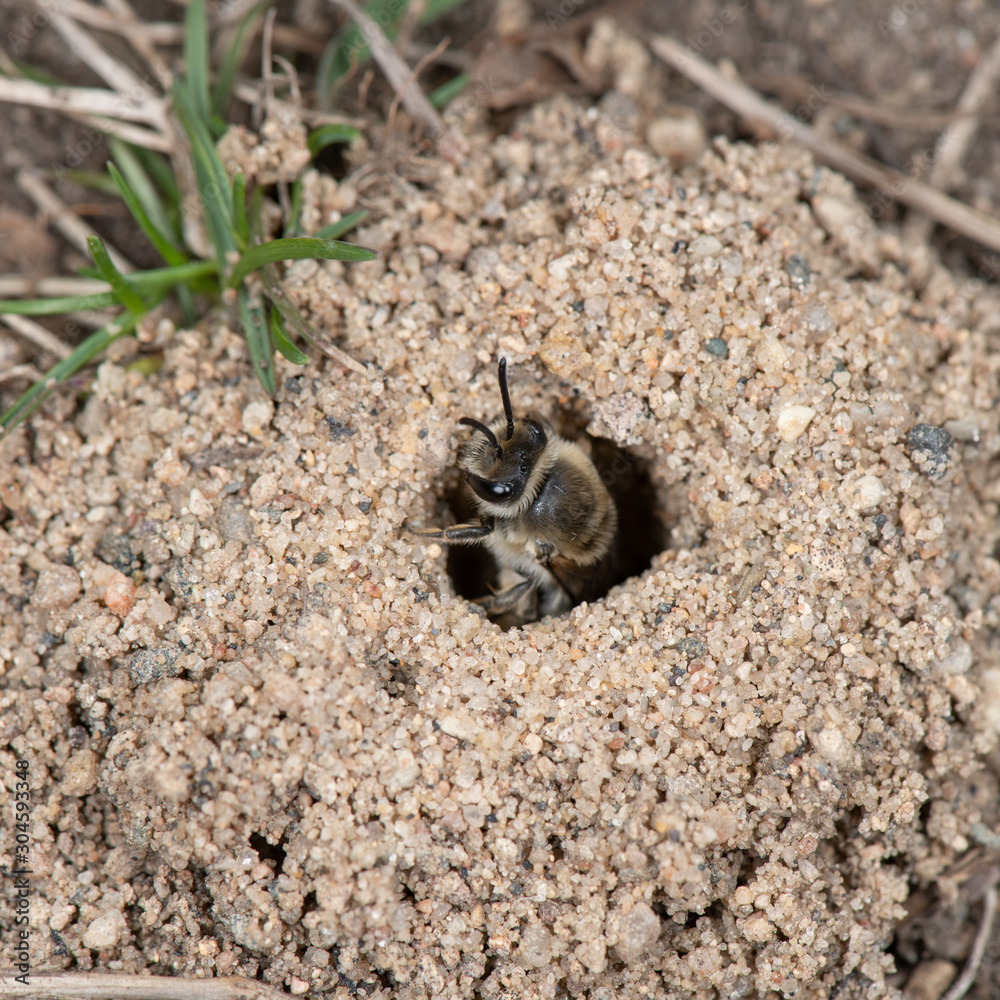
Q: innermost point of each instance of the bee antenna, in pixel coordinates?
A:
(490, 436)
(505, 396)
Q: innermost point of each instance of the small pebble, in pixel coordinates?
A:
(930, 447)
(793, 420)
(798, 270)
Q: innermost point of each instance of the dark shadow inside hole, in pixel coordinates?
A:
(641, 532)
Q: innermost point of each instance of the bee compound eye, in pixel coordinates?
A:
(537, 432)
(486, 489)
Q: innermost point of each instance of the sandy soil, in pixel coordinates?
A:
(266, 735)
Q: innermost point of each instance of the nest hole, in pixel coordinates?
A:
(642, 534)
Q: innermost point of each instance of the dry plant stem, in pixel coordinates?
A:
(417, 70)
(751, 106)
(796, 88)
(135, 134)
(63, 219)
(954, 142)
(28, 372)
(157, 32)
(400, 79)
(266, 69)
(292, 76)
(13, 286)
(984, 935)
(82, 100)
(110, 70)
(37, 334)
(140, 41)
(251, 94)
(96, 986)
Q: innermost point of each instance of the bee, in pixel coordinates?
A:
(544, 514)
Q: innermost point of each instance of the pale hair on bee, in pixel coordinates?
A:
(544, 514)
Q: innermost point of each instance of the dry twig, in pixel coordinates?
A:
(158, 32)
(97, 986)
(14, 286)
(953, 143)
(760, 113)
(62, 218)
(81, 100)
(796, 88)
(114, 73)
(961, 986)
(141, 42)
(28, 372)
(425, 61)
(37, 334)
(400, 79)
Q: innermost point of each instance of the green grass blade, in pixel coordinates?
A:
(92, 179)
(434, 9)
(214, 188)
(326, 135)
(292, 227)
(196, 59)
(281, 341)
(240, 210)
(124, 292)
(143, 188)
(348, 47)
(447, 92)
(82, 355)
(166, 249)
(298, 248)
(159, 280)
(258, 338)
(162, 174)
(63, 304)
(337, 229)
(232, 59)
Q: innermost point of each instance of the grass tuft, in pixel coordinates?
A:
(232, 217)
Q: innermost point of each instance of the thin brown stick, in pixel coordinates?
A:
(135, 134)
(98, 986)
(954, 142)
(961, 986)
(37, 334)
(425, 60)
(760, 113)
(793, 87)
(158, 32)
(63, 219)
(15, 286)
(83, 100)
(82, 44)
(140, 41)
(28, 372)
(399, 76)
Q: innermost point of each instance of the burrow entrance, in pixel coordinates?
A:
(641, 533)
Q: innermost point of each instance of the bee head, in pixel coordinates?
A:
(502, 464)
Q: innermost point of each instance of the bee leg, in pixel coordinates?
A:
(460, 534)
(507, 600)
(555, 597)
